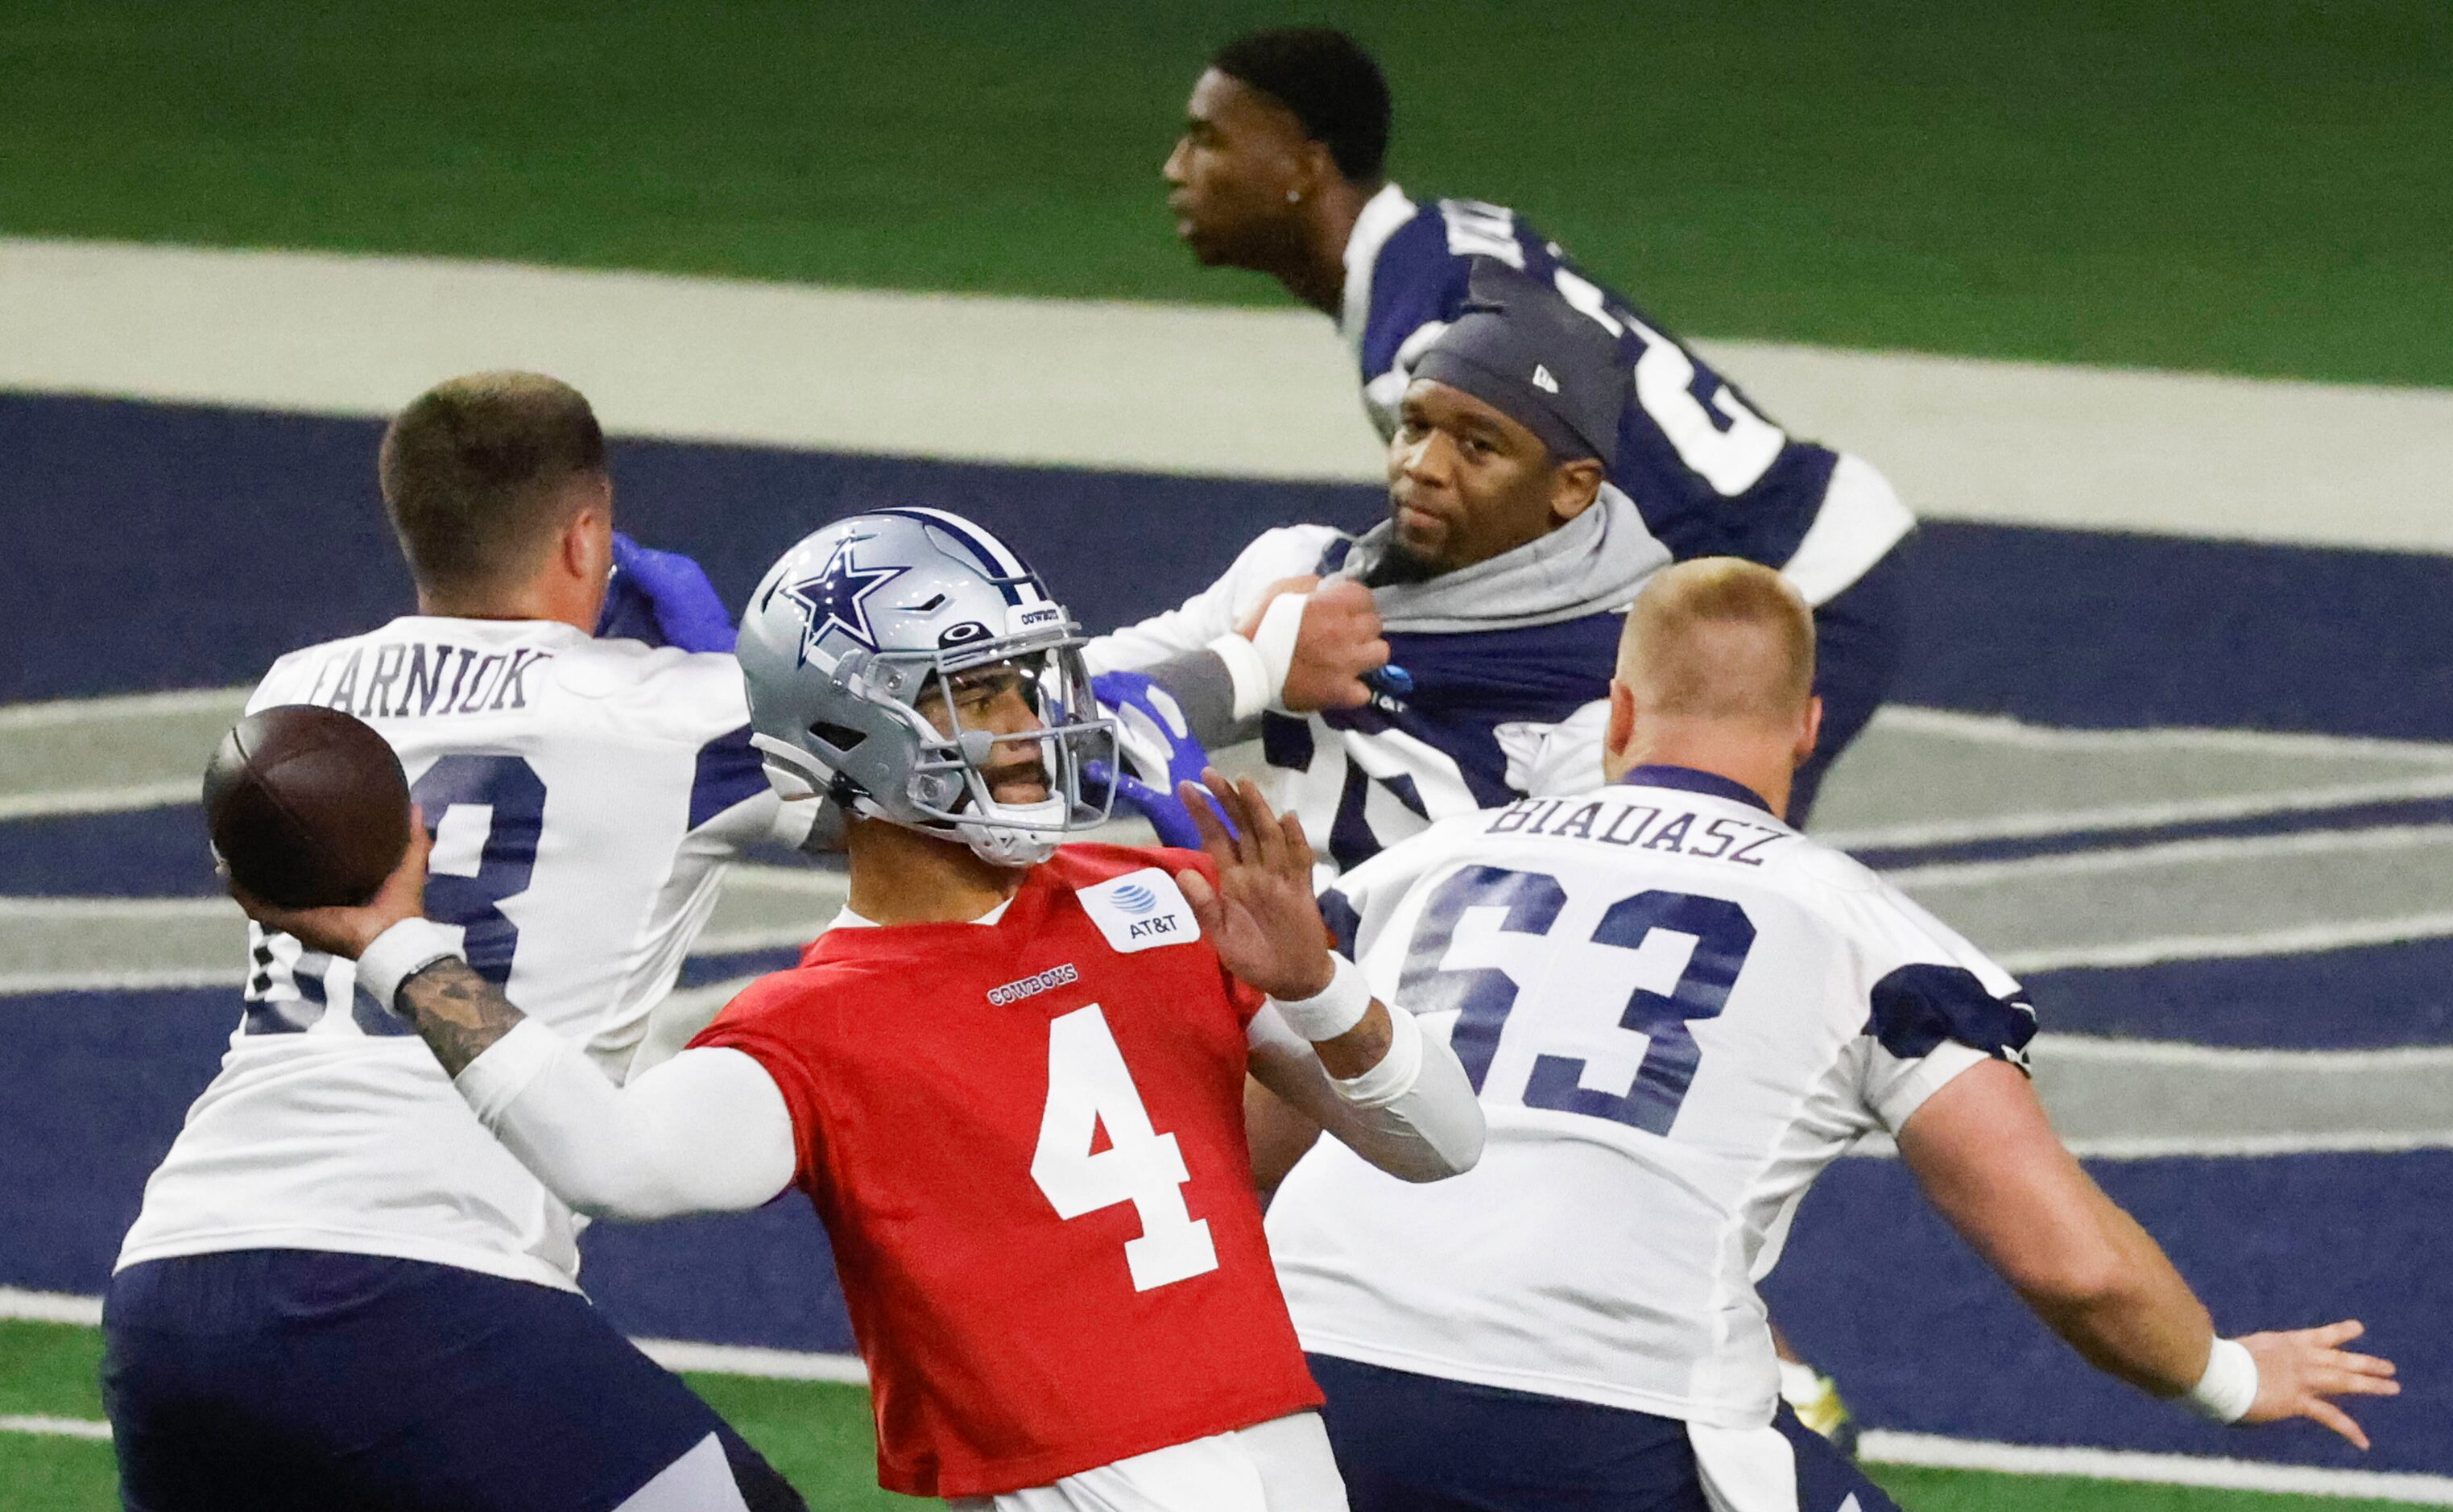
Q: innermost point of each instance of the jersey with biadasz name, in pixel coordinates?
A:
(1677, 1011)
(1713, 475)
(1025, 1138)
(584, 796)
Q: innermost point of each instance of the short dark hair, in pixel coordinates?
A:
(1331, 84)
(473, 469)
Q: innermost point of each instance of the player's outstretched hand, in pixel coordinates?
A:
(2300, 1370)
(1262, 918)
(347, 931)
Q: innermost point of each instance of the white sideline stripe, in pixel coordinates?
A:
(2004, 730)
(2140, 816)
(742, 1360)
(52, 712)
(2298, 940)
(2253, 1146)
(1171, 388)
(57, 1427)
(169, 794)
(20, 1305)
(164, 979)
(767, 937)
(1882, 1446)
(134, 910)
(2216, 1146)
(2180, 1054)
(2172, 853)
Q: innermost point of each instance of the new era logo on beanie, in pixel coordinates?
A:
(1525, 351)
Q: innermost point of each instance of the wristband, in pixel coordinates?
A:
(1248, 671)
(1334, 1009)
(2228, 1388)
(1274, 638)
(1396, 1073)
(400, 953)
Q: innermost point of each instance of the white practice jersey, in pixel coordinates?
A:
(584, 796)
(1677, 1010)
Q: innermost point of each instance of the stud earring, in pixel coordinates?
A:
(1294, 196)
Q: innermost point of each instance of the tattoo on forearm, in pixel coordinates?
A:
(457, 1012)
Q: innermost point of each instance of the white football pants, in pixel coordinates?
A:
(1282, 1465)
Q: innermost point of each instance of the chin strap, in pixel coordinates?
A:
(1004, 844)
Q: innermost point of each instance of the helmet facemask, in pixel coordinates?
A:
(952, 785)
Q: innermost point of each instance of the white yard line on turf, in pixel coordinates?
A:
(2226, 848)
(127, 798)
(1878, 1446)
(2217, 1147)
(1881, 1447)
(2103, 1049)
(1172, 388)
(2141, 816)
(57, 1427)
(2002, 729)
(742, 1360)
(166, 978)
(58, 711)
(20, 1305)
(2299, 940)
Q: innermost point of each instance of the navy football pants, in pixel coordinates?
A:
(1857, 638)
(274, 1379)
(1420, 1443)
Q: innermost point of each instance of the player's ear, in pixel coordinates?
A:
(1618, 736)
(1574, 485)
(1314, 171)
(587, 544)
(1809, 733)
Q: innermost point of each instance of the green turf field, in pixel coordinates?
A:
(819, 1436)
(2245, 184)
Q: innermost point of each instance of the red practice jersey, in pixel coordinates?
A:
(1026, 1142)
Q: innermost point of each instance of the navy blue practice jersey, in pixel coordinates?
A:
(1713, 474)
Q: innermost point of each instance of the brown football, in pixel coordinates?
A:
(306, 807)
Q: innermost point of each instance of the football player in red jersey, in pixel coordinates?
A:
(1010, 1076)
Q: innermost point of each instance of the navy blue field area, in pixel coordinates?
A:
(159, 547)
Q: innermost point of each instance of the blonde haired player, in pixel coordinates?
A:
(1677, 1011)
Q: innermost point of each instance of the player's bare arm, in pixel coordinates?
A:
(1989, 1162)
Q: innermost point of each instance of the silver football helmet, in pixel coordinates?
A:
(868, 626)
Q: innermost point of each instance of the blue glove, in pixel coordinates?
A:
(1158, 742)
(664, 599)
(1165, 811)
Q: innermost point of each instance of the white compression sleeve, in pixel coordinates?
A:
(1418, 1124)
(707, 1131)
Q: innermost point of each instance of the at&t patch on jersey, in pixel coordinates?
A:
(1139, 910)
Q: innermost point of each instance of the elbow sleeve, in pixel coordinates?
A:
(707, 1131)
(1420, 1103)
(1413, 1116)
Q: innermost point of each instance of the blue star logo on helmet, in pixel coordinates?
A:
(837, 598)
